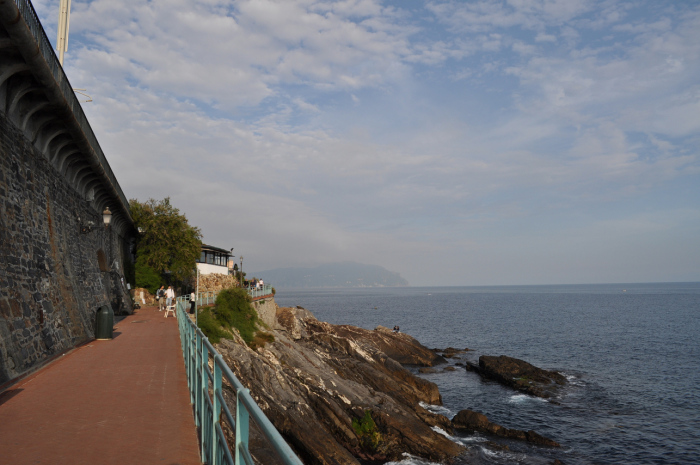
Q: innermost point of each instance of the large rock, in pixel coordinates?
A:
(519, 375)
(399, 346)
(316, 378)
(470, 421)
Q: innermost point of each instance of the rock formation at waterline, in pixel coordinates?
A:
(519, 375)
(470, 421)
(339, 395)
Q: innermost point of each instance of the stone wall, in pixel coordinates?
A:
(267, 312)
(216, 282)
(52, 277)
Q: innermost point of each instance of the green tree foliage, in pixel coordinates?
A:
(166, 241)
(146, 276)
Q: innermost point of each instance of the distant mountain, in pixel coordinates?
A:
(345, 274)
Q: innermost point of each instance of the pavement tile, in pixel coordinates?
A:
(122, 401)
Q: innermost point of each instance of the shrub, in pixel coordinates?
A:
(366, 430)
(211, 327)
(233, 309)
(261, 339)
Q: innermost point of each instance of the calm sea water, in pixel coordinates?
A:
(630, 351)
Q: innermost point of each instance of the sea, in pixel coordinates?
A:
(631, 354)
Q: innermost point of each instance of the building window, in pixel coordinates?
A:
(213, 258)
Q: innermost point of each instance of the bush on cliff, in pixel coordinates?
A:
(211, 327)
(233, 309)
(366, 430)
(261, 338)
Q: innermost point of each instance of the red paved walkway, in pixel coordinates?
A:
(123, 401)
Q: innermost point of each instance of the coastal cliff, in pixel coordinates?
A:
(339, 394)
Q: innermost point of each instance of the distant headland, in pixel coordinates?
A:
(344, 274)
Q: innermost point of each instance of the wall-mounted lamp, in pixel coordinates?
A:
(89, 226)
(107, 216)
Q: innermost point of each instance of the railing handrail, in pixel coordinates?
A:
(209, 297)
(196, 349)
(254, 292)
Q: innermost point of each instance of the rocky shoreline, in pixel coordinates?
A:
(340, 394)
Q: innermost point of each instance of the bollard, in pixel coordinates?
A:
(104, 322)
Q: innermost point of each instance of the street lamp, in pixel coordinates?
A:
(107, 216)
(89, 226)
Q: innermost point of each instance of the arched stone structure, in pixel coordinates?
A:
(54, 181)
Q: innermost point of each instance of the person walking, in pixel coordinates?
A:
(193, 301)
(160, 297)
(169, 296)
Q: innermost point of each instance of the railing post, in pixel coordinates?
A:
(191, 354)
(241, 427)
(218, 359)
(198, 381)
(203, 390)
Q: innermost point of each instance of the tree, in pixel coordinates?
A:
(147, 277)
(166, 242)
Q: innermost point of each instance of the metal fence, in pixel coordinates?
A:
(209, 297)
(207, 397)
(256, 292)
(205, 298)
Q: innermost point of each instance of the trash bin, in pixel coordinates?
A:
(104, 322)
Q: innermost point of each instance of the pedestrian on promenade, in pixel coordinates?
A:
(193, 301)
(160, 297)
(169, 296)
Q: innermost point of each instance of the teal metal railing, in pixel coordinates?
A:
(256, 292)
(209, 297)
(206, 395)
(206, 298)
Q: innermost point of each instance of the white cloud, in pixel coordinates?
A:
(304, 131)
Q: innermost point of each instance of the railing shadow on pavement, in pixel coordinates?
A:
(206, 395)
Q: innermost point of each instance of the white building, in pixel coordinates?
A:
(213, 260)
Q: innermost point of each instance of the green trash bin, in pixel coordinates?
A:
(104, 322)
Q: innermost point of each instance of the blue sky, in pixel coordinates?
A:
(456, 142)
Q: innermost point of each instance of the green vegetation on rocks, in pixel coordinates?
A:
(233, 309)
(211, 327)
(366, 430)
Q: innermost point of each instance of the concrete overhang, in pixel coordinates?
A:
(27, 37)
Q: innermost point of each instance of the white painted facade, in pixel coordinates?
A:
(208, 268)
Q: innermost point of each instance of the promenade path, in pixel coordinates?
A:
(122, 401)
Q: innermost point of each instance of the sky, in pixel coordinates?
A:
(455, 142)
